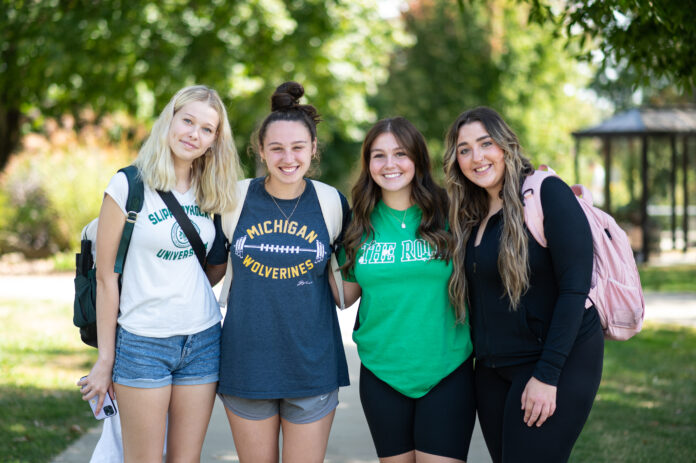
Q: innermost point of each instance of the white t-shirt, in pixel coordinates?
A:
(164, 289)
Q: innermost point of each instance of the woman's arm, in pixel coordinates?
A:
(109, 230)
(570, 246)
(351, 291)
(216, 265)
(215, 272)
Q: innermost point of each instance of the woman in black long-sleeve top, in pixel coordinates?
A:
(538, 350)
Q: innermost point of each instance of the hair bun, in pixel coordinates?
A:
(286, 96)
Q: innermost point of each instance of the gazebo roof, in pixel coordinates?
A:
(645, 121)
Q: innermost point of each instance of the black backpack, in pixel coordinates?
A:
(85, 304)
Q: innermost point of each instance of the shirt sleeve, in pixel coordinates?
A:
(570, 245)
(118, 190)
(218, 252)
(347, 275)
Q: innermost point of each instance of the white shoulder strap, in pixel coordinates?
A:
(229, 223)
(332, 210)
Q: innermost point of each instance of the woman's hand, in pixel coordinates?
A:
(98, 383)
(538, 402)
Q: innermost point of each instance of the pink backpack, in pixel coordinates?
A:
(615, 289)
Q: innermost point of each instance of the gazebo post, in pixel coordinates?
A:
(644, 199)
(673, 189)
(606, 145)
(632, 165)
(685, 170)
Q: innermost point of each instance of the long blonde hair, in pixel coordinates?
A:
(469, 206)
(213, 175)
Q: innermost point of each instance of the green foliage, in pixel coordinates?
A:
(486, 53)
(51, 195)
(541, 90)
(646, 404)
(675, 278)
(448, 69)
(113, 55)
(653, 40)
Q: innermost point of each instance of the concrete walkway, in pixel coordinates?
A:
(350, 440)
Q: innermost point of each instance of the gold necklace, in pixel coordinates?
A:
(403, 225)
(287, 217)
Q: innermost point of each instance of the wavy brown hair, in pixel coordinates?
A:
(430, 198)
(469, 206)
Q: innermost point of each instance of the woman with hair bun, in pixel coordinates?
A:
(282, 355)
(416, 374)
(538, 349)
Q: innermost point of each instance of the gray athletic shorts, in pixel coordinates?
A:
(298, 410)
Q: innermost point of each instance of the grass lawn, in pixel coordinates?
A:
(645, 410)
(41, 358)
(675, 278)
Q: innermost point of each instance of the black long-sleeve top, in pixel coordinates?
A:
(551, 315)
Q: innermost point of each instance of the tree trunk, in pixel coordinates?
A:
(9, 133)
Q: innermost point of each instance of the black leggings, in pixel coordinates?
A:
(440, 423)
(498, 402)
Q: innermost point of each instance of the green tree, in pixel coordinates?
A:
(474, 53)
(59, 56)
(656, 39)
(447, 69)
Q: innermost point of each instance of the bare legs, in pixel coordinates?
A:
(257, 441)
(143, 420)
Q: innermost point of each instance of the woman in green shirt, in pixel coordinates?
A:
(416, 380)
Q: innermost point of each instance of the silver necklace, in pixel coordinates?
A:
(403, 225)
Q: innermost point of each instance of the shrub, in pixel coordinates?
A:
(48, 195)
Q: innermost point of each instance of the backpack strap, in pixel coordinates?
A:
(229, 223)
(332, 210)
(134, 203)
(186, 225)
(531, 196)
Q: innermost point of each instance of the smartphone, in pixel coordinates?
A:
(108, 407)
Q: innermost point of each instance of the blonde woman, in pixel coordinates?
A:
(159, 336)
(538, 350)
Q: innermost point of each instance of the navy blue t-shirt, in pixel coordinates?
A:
(280, 336)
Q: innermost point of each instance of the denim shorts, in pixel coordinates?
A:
(297, 410)
(147, 362)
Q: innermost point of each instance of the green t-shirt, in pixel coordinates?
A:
(407, 335)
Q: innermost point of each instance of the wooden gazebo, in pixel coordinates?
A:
(678, 125)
